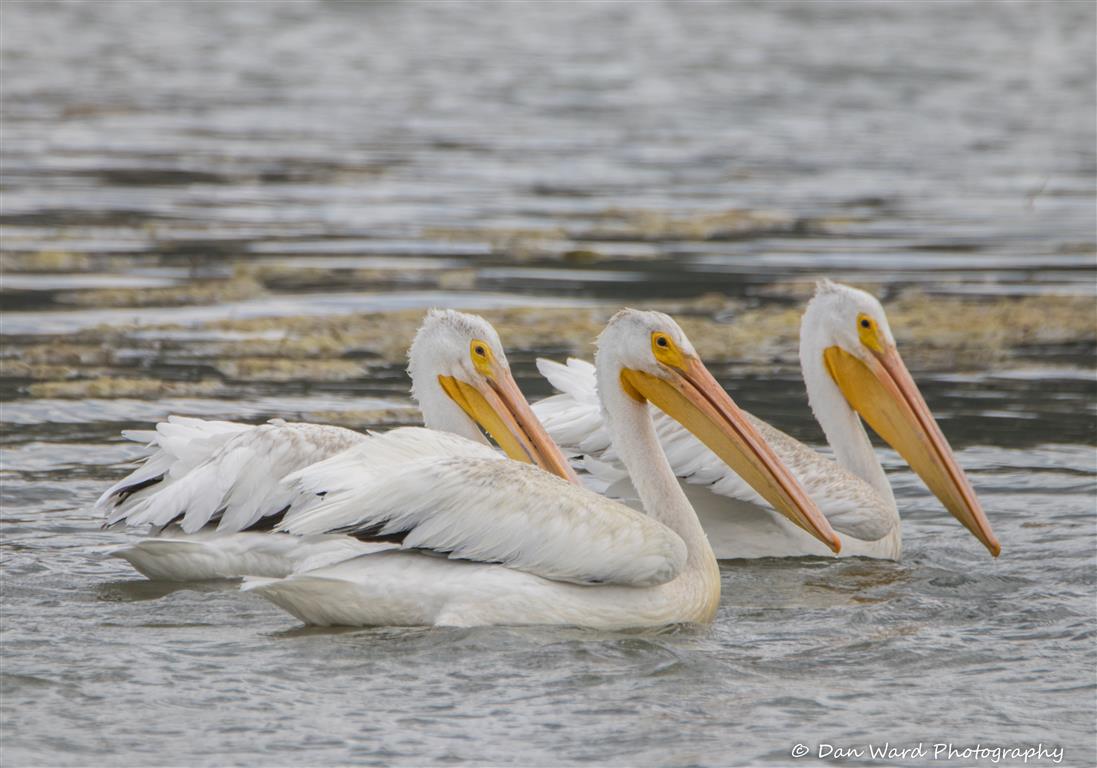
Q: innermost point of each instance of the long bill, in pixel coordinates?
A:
(500, 409)
(694, 398)
(885, 395)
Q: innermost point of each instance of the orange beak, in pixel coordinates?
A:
(885, 395)
(694, 398)
(501, 410)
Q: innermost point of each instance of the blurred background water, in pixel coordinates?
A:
(182, 182)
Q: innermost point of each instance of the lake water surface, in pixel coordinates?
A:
(176, 175)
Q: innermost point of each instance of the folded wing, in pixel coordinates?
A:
(204, 472)
(467, 502)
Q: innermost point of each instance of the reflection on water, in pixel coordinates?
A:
(202, 200)
(136, 590)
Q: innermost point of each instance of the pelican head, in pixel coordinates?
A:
(860, 355)
(462, 381)
(650, 358)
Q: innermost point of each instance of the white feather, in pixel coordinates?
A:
(226, 476)
(533, 542)
(221, 470)
(471, 504)
(180, 444)
(374, 457)
(175, 556)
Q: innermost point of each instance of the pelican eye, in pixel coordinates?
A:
(869, 333)
(665, 350)
(481, 356)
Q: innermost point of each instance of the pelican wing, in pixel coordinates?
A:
(468, 502)
(380, 453)
(180, 445)
(574, 419)
(216, 471)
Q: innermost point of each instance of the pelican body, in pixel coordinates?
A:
(489, 541)
(212, 490)
(852, 370)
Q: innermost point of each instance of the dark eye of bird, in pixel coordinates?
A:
(865, 323)
(480, 351)
(661, 341)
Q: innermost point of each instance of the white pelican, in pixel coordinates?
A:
(487, 541)
(850, 366)
(213, 489)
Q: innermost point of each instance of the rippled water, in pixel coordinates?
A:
(326, 158)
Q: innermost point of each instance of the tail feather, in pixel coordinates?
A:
(205, 471)
(177, 446)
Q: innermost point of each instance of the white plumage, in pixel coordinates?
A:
(490, 541)
(851, 490)
(172, 555)
(208, 484)
(465, 500)
(226, 474)
(179, 445)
